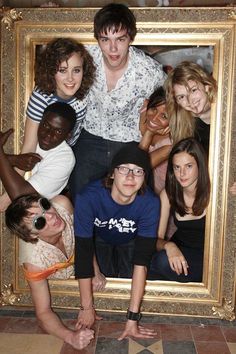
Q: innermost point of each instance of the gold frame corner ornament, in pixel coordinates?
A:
(225, 312)
(7, 296)
(9, 16)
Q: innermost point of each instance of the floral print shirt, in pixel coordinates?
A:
(114, 115)
(44, 255)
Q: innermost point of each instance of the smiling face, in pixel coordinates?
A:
(115, 48)
(193, 98)
(69, 76)
(156, 118)
(53, 130)
(53, 227)
(125, 187)
(185, 170)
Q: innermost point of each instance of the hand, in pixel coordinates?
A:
(176, 258)
(5, 201)
(132, 329)
(26, 162)
(4, 136)
(86, 318)
(81, 338)
(163, 132)
(99, 282)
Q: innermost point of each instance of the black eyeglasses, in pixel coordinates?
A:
(39, 221)
(123, 170)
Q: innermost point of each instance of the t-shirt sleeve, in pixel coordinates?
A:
(53, 174)
(145, 242)
(36, 105)
(83, 228)
(84, 214)
(150, 216)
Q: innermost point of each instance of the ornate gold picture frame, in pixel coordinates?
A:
(21, 31)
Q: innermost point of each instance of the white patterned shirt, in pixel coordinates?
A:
(114, 115)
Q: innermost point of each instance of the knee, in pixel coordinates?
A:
(160, 263)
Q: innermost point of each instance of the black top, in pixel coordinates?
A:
(202, 134)
(190, 233)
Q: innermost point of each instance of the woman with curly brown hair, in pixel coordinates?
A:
(64, 72)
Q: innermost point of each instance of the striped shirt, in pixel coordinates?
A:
(39, 100)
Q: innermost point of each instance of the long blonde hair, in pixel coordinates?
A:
(181, 122)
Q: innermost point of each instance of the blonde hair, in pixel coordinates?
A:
(181, 122)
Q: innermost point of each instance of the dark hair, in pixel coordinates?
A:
(15, 214)
(175, 191)
(129, 153)
(49, 60)
(63, 110)
(157, 98)
(115, 17)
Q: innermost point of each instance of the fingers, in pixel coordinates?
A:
(141, 333)
(124, 334)
(185, 267)
(179, 266)
(147, 331)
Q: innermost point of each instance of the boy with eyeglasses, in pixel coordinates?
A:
(117, 219)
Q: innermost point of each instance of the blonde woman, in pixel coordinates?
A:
(190, 91)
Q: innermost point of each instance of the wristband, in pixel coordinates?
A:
(82, 308)
(133, 316)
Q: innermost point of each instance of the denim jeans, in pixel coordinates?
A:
(160, 268)
(93, 156)
(115, 261)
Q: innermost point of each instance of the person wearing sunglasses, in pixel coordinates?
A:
(47, 228)
(117, 218)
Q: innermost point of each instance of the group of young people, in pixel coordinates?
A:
(132, 144)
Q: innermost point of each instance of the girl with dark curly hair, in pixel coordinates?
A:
(64, 72)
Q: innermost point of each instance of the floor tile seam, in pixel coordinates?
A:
(176, 340)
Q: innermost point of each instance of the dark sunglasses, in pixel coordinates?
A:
(39, 221)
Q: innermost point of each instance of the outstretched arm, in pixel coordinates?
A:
(29, 145)
(50, 322)
(14, 184)
(132, 329)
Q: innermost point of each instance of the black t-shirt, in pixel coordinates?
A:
(202, 134)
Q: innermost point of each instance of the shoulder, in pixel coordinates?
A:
(147, 67)
(94, 51)
(149, 199)
(163, 197)
(92, 187)
(140, 55)
(63, 202)
(40, 97)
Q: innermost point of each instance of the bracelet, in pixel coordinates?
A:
(133, 316)
(82, 308)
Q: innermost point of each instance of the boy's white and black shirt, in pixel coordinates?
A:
(114, 115)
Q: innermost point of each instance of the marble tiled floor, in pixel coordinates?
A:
(20, 334)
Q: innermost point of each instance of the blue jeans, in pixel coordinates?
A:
(115, 260)
(93, 156)
(160, 268)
